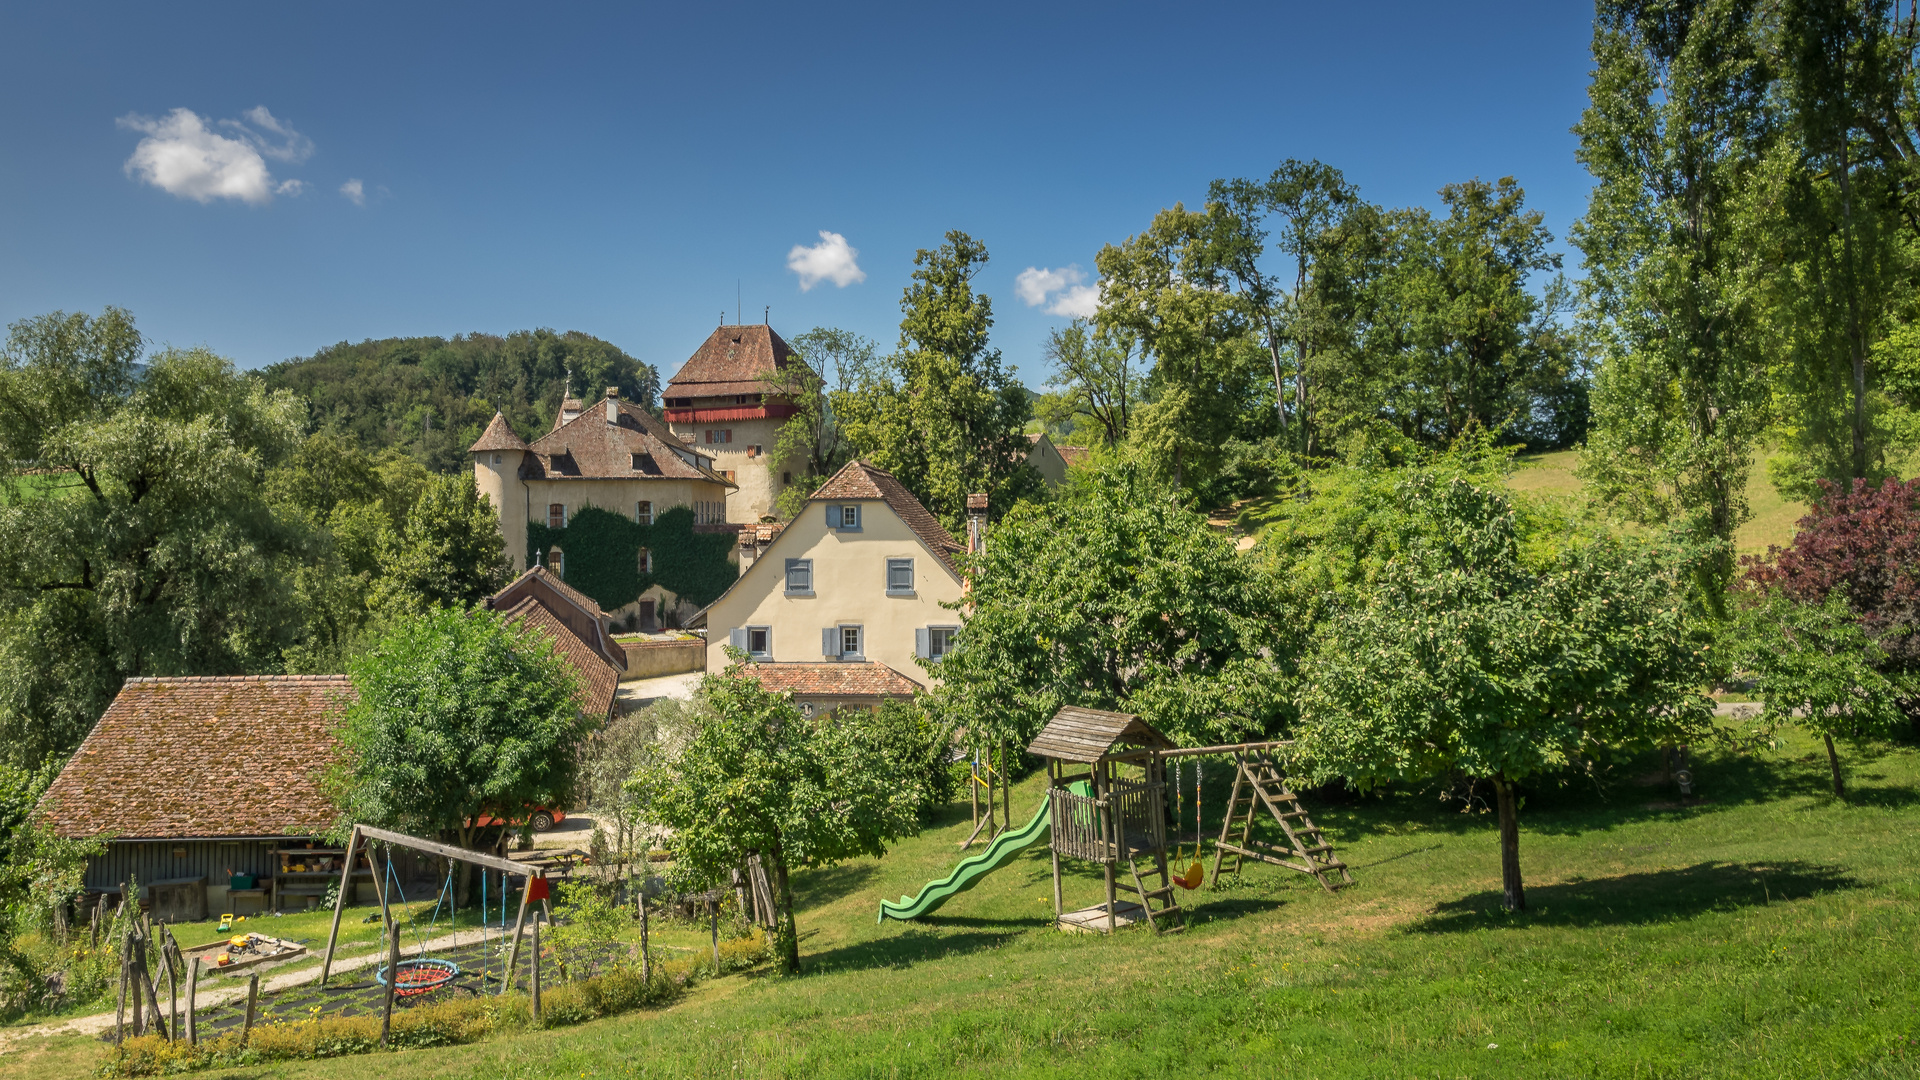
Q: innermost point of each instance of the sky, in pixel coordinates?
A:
(267, 180)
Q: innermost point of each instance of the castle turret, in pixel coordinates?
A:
(497, 457)
(729, 401)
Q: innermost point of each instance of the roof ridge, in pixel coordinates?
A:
(132, 679)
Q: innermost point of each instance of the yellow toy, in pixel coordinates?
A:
(226, 922)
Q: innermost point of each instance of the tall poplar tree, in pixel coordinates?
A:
(1676, 125)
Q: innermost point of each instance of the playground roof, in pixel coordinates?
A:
(1087, 735)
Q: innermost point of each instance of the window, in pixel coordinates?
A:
(646, 561)
(643, 512)
(556, 515)
(786, 478)
(496, 459)
(556, 562)
(850, 642)
(718, 436)
(940, 641)
(799, 577)
(729, 475)
(754, 450)
(899, 577)
(806, 708)
(842, 642)
(755, 641)
(845, 518)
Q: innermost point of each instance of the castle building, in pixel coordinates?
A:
(615, 457)
(725, 403)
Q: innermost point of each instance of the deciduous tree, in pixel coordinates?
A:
(1464, 661)
(757, 778)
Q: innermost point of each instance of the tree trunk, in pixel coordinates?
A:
(787, 941)
(1515, 896)
(1833, 762)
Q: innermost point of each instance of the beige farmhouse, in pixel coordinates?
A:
(862, 576)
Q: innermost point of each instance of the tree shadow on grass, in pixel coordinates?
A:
(1636, 899)
(825, 884)
(917, 945)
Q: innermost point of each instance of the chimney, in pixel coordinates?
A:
(976, 523)
(613, 404)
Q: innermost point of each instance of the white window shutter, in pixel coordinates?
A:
(922, 647)
(737, 637)
(830, 641)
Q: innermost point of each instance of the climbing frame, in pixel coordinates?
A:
(1258, 784)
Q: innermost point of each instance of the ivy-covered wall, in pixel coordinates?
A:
(603, 556)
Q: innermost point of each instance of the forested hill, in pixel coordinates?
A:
(431, 397)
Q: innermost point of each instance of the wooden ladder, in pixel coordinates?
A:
(1258, 782)
(1147, 896)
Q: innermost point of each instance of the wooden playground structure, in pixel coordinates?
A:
(1107, 799)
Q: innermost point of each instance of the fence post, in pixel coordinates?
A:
(253, 1000)
(536, 966)
(193, 986)
(120, 1005)
(646, 961)
(393, 979)
(713, 927)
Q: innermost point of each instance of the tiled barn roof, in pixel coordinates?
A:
(174, 758)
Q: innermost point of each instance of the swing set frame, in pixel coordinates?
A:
(414, 843)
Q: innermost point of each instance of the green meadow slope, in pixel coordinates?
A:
(1772, 522)
(1766, 930)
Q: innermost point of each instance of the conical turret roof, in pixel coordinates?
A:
(498, 436)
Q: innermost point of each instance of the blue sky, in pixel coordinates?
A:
(617, 169)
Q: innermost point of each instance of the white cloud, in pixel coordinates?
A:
(1070, 297)
(355, 191)
(183, 155)
(832, 259)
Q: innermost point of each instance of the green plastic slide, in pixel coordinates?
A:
(972, 868)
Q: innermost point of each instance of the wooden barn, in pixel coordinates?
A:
(210, 788)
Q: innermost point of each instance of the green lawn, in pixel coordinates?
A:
(1767, 931)
(1772, 521)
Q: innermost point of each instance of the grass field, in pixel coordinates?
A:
(1768, 930)
(1772, 522)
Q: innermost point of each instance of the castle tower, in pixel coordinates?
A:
(725, 402)
(497, 457)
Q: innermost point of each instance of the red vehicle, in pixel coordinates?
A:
(541, 818)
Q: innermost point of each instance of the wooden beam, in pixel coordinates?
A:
(513, 950)
(450, 851)
(340, 902)
(1229, 748)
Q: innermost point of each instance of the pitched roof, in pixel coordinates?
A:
(733, 360)
(638, 447)
(498, 436)
(859, 480)
(1087, 735)
(865, 678)
(1072, 455)
(174, 758)
(578, 610)
(599, 683)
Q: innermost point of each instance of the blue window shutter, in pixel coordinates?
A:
(922, 647)
(737, 637)
(833, 517)
(830, 641)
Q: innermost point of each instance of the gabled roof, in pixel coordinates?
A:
(566, 603)
(205, 757)
(498, 436)
(859, 480)
(638, 447)
(1072, 455)
(861, 679)
(599, 682)
(733, 360)
(1087, 735)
